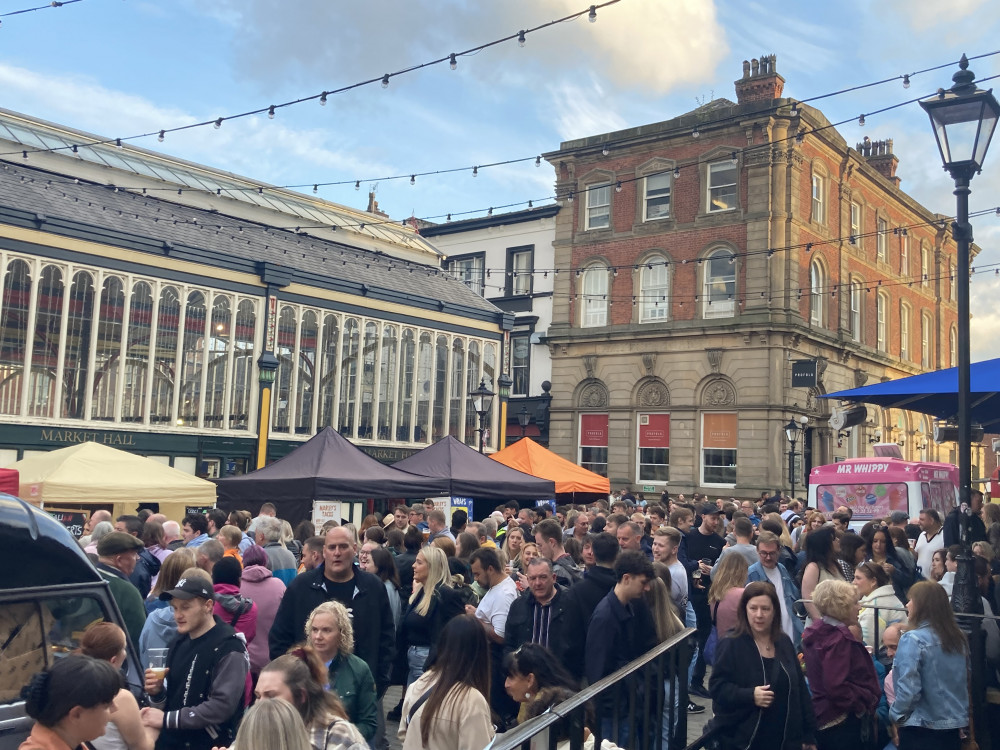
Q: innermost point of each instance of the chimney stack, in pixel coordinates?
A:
(760, 81)
(879, 155)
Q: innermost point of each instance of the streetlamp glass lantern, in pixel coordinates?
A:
(523, 418)
(482, 399)
(792, 431)
(963, 118)
(504, 383)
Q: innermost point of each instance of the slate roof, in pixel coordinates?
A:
(61, 204)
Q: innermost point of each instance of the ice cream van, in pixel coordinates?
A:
(875, 487)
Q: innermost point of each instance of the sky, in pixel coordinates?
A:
(122, 67)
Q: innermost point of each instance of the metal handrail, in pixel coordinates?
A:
(523, 732)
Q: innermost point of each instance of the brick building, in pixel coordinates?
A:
(709, 252)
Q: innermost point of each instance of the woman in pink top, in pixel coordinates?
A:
(266, 591)
(728, 581)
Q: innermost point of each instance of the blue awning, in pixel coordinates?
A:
(936, 393)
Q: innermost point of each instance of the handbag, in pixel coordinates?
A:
(713, 639)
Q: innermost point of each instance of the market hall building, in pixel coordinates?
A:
(213, 322)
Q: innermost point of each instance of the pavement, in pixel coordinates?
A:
(696, 722)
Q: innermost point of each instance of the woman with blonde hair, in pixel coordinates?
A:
(272, 724)
(513, 543)
(106, 641)
(330, 633)
(729, 577)
(845, 689)
(432, 604)
(298, 677)
(930, 674)
(160, 629)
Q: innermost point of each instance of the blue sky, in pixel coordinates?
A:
(119, 67)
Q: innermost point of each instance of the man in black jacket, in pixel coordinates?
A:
(954, 521)
(545, 615)
(362, 593)
(207, 669)
(598, 580)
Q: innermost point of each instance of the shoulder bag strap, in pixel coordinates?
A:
(416, 706)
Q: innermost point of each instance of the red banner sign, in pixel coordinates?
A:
(594, 430)
(655, 433)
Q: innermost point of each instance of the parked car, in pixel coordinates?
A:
(49, 593)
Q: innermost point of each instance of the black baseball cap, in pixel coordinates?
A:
(189, 588)
(709, 509)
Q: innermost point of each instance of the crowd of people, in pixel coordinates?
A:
(293, 636)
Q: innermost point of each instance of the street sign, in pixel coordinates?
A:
(804, 373)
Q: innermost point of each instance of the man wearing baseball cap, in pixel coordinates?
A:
(117, 556)
(200, 702)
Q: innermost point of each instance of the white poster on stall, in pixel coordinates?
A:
(324, 511)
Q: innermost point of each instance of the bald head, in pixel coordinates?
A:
(890, 639)
(95, 518)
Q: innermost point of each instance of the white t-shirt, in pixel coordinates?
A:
(924, 549)
(774, 576)
(678, 585)
(495, 604)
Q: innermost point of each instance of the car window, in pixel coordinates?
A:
(35, 632)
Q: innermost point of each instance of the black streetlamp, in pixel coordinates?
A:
(482, 399)
(964, 118)
(792, 433)
(523, 418)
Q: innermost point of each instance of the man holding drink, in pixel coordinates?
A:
(198, 698)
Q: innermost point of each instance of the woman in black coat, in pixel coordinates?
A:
(759, 694)
(433, 603)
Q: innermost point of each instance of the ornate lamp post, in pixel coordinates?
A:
(523, 418)
(482, 399)
(792, 433)
(964, 118)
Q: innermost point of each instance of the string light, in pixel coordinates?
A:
(604, 151)
(906, 80)
(618, 186)
(270, 112)
(413, 179)
(118, 143)
(385, 81)
(357, 184)
(160, 137)
(218, 123)
(592, 16)
(520, 38)
(538, 161)
(322, 99)
(452, 61)
(861, 121)
(47, 6)
(475, 171)
(695, 133)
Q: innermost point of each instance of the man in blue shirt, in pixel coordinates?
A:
(194, 530)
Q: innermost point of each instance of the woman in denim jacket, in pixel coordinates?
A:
(930, 674)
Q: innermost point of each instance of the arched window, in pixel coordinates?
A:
(925, 265)
(654, 290)
(882, 317)
(719, 284)
(219, 338)
(855, 320)
(306, 362)
(140, 327)
(45, 352)
(370, 354)
(388, 366)
(349, 377)
(594, 287)
(285, 353)
(167, 335)
(817, 282)
(328, 380)
(905, 314)
(108, 348)
(953, 348)
(926, 341)
(458, 392)
(425, 385)
(14, 328)
(440, 387)
(244, 380)
(407, 385)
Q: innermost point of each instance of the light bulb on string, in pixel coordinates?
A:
(161, 136)
(906, 80)
(315, 189)
(452, 61)
(118, 143)
(218, 123)
(592, 16)
(385, 81)
(677, 173)
(520, 38)
(475, 171)
(413, 179)
(604, 151)
(357, 184)
(695, 133)
(270, 112)
(735, 157)
(322, 99)
(618, 186)
(861, 121)
(794, 111)
(538, 161)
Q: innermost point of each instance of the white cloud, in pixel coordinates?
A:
(581, 111)
(923, 15)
